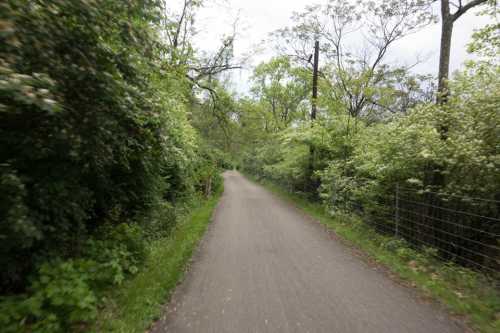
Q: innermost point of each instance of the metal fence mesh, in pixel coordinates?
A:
(462, 229)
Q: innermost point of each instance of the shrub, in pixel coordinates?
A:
(118, 251)
(89, 134)
(162, 219)
(60, 299)
(62, 295)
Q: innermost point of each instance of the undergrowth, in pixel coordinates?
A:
(138, 302)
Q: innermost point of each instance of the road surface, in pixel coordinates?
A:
(263, 266)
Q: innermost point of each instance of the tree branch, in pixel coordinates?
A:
(179, 24)
(462, 9)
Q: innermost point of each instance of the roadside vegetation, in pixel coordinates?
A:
(101, 145)
(139, 301)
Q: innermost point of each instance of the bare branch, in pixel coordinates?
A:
(179, 24)
(462, 9)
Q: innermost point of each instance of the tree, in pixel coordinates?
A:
(352, 72)
(282, 87)
(94, 131)
(179, 30)
(447, 21)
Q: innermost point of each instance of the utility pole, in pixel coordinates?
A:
(313, 184)
(315, 81)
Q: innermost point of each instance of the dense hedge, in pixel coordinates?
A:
(94, 144)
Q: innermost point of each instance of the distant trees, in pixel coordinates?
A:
(354, 67)
(178, 29)
(282, 87)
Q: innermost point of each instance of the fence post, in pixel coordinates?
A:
(397, 211)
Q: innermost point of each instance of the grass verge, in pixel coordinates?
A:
(138, 302)
(465, 293)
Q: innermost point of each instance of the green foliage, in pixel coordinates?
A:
(63, 294)
(140, 300)
(92, 132)
(486, 41)
(282, 88)
(118, 251)
(161, 220)
(97, 153)
(359, 160)
(208, 179)
(60, 299)
(402, 151)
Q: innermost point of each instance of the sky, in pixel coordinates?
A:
(258, 18)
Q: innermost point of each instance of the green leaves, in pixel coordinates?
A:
(59, 298)
(19, 90)
(402, 150)
(281, 88)
(94, 132)
(63, 294)
(362, 157)
(95, 139)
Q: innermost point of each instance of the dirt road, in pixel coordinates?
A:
(265, 267)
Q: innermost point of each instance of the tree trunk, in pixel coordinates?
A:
(315, 81)
(444, 59)
(437, 178)
(447, 20)
(208, 187)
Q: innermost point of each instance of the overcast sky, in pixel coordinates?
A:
(257, 18)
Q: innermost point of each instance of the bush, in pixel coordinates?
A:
(118, 251)
(60, 299)
(207, 178)
(63, 294)
(95, 134)
(161, 221)
(89, 133)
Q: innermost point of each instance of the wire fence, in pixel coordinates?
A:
(462, 229)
